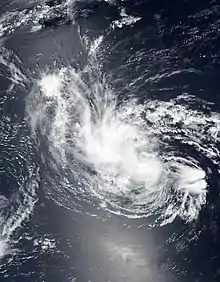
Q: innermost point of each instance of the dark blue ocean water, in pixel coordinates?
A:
(172, 49)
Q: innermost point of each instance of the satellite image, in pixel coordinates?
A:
(109, 141)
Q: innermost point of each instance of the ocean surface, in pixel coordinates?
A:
(109, 141)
